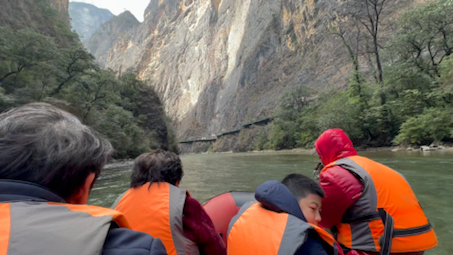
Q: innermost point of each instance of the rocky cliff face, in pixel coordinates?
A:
(109, 33)
(42, 16)
(87, 18)
(220, 63)
(62, 7)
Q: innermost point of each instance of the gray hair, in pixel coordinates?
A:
(43, 144)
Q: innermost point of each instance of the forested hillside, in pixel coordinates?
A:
(35, 65)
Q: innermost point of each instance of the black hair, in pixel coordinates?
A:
(45, 145)
(157, 166)
(301, 186)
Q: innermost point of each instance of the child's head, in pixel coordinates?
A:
(308, 193)
(157, 166)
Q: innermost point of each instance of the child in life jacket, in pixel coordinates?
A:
(283, 221)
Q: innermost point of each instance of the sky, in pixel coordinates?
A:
(136, 7)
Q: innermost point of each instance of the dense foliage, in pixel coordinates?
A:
(412, 104)
(34, 68)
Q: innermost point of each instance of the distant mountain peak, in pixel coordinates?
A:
(129, 15)
(87, 18)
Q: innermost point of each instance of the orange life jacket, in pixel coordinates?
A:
(256, 230)
(387, 217)
(157, 209)
(55, 228)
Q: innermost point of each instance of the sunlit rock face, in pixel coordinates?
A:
(220, 63)
(87, 18)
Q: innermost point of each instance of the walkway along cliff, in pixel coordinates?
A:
(202, 144)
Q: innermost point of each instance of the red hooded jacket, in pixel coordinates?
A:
(342, 189)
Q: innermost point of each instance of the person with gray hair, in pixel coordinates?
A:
(49, 162)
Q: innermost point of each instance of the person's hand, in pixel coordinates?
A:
(317, 170)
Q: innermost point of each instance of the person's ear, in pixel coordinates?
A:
(81, 196)
(177, 184)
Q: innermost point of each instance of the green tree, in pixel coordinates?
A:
(425, 36)
(21, 52)
(143, 101)
(337, 111)
(128, 139)
(286, 129)
(433, 125)
(446, 80)
(73, 63)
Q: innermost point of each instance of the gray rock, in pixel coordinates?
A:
(430, 148)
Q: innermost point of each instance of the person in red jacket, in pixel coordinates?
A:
(370, 207)
(155, 204)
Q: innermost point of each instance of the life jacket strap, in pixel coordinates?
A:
(412, 231)
(335, 249)
(385, 241)
(369, 217)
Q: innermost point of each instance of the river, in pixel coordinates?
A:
(206, 175)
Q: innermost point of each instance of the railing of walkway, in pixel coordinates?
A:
(262, 121)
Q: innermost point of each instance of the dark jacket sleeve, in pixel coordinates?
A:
(122, 241)
(199, 228)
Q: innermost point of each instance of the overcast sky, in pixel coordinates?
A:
(137, 7)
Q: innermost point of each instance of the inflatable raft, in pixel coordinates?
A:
(223, 207)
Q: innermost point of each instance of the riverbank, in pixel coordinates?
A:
(254, 138)
(424, 148)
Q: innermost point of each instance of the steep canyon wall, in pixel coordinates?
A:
(220, 63)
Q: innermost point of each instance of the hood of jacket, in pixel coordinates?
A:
(274, 196)
(334, 144)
